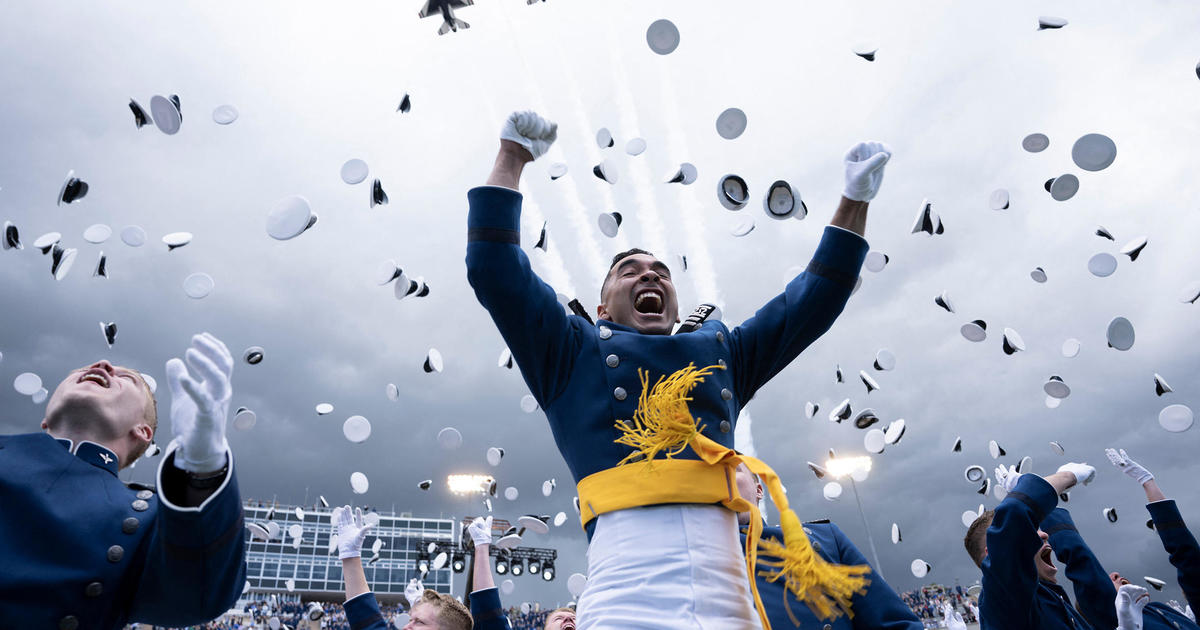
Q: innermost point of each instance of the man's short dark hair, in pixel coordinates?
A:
(976, 538)
(616, 259)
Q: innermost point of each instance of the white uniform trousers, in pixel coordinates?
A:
(667, 567)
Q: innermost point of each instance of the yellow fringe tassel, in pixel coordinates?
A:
(826, 588)
(662, 423)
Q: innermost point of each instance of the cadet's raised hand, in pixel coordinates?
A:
(1130, 602)
(481, 531)
(351, 531)
(200, 393)
(1084, 474)
(534, 133)
(1135, 470)
(1007, 477)
(864, 170)
(413, 592)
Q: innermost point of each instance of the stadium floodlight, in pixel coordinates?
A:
(468, 484)
(459, 563)
(517, 567)
(548, 571)
(501, 566)
(842, 466)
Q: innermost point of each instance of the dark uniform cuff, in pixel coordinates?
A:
(1059, 520)
(839, 256)
(495, 215)
(1037, 494)
(362, 611)
(1165, 514)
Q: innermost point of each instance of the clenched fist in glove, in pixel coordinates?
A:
(200, 393)
(864, 170)
(534, 133)
(481, 531)
(1130, 602)
(1128, 466)
(351, 531)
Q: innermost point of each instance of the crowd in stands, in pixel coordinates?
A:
(926, 602)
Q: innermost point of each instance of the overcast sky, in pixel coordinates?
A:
(954, 88)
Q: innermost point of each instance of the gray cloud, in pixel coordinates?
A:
(953, 90)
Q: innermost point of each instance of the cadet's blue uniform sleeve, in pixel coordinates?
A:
(196, 562)
(362, 613)
(1180, 545)
(486, 611)
(767, 342)
(1094, 592)
(880, 608)
(524, 308)
(1009, 576)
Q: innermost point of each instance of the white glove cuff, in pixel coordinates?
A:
(210, 463)
(350, 553)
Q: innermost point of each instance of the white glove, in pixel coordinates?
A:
(1007, 477)
(1130, 602)
(413, 592)
(351, 531)
(864, 169)
(481, 531)
(1084, 474)
(531, 131)
(1128, 466)
(200, 404)
(952, 618)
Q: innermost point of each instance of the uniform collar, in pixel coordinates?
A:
(98, 456)
(92, 453)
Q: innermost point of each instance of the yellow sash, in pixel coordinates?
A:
(662, 424)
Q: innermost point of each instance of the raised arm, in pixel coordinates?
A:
(767, 342)
(362, 609)
(1009, 574)
(486, 610)
(1179, 542)
(1094, 592)
(197, 553)
(524, 308)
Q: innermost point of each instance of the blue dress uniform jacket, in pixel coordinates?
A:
(1184, 554)
(1095, 592)
(586, 376)
(880, 608)
(362, 612)
(1013, 597)
(81, 550)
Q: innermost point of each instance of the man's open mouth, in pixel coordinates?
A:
(1046, 555)
(96, 376)
(649, 301)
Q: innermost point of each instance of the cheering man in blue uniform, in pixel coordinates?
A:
(879, 608)
(81, 550)
(1020, 587)
(673, 562)
(1096, 590)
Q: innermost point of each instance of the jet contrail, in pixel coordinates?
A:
(701, 271)
(649, 219)
(552, 267)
